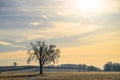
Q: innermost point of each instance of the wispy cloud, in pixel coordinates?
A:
(59, 30)
(99, 37)
(35, 23)
(5, 43)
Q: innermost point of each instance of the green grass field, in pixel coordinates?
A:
(62, 76)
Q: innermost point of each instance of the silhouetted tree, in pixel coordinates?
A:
(15, 63)
(108, 66)
(43, 53)
(93, 68)
(116, 67)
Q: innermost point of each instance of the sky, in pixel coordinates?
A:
(86, 31)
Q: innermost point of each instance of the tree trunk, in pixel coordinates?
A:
(40, 68)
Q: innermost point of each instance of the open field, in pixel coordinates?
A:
(62, 76)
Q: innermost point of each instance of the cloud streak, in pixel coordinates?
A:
(5, 43)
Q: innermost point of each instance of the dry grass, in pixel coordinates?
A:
(63, 76)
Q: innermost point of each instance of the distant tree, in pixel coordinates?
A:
(43, 53)
(116, 67)
(93, 68)
(14, 63)
(108, 66)
(82, 67)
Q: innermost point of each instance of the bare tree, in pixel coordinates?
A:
(15, 63)
(43, 53)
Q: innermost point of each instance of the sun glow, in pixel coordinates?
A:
(90, 5)
(88, 8)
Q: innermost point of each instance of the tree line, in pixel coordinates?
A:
(109, 66)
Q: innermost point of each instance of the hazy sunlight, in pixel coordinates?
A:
(89, 5)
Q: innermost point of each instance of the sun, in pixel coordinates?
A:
(89, 5)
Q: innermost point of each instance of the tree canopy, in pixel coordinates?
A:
(43, 53)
